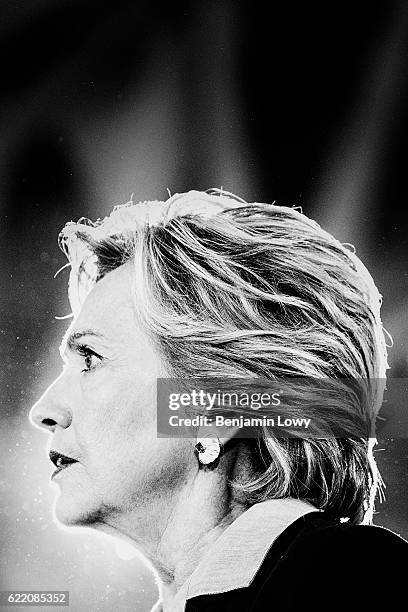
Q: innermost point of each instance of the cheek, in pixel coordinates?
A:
(113, 407)
(140, 468)
(116, 432)
(116, 424)
(161, 467)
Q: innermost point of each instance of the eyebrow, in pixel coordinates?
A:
(71, 341)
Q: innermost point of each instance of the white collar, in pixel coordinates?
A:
(236, 556)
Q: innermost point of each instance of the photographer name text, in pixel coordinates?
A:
(240, 421)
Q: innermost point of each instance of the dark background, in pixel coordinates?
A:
(299, 103)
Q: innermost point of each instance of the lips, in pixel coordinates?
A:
(60, 461)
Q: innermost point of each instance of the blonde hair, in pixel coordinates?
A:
(229, 288)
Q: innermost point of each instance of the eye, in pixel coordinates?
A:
(90, 358)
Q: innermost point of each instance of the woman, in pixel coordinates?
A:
(206, 285)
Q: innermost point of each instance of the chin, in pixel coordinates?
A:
(70, 512)
(75, 509)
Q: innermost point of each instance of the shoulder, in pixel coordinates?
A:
(336, 565)
(316, 563)
(317, 534)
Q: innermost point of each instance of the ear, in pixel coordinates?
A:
(222, 433)
(211, 442)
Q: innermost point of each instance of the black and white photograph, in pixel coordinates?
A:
(204, 306)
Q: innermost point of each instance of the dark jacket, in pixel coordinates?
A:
(317, 564)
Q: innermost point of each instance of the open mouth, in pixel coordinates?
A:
(60, 461)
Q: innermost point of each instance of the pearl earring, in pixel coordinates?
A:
(208, 450)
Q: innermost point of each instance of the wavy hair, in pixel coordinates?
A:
(229, 288)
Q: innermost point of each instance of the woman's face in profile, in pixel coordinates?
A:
(101, 411)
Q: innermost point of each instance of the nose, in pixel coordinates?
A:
(51, 410)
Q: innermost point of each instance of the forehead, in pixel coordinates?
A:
(109, 307)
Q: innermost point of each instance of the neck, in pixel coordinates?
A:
(179, 528)
(197, 521)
